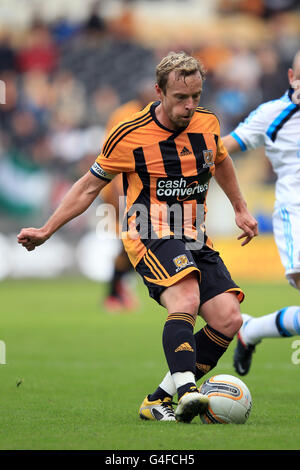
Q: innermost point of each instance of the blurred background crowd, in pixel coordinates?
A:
(66, 66)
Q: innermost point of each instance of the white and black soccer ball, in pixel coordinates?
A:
(229, 400)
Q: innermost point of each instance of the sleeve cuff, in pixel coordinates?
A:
(98, 176)
(239, 141)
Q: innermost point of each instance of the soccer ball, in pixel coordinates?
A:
(229, 400)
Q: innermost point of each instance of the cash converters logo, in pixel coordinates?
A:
(181, 189)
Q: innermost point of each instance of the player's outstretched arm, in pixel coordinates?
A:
(231, 145)
(226, 178)
(77, 200)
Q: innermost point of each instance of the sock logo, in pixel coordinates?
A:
(203, 367)
(184, 347)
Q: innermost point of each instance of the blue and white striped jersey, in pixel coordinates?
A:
(276, 125)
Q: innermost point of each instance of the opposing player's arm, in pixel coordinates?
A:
(76, 201)
(225, 176)
(231, 144)
(250, 133)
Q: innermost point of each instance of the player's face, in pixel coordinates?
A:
(181, 99)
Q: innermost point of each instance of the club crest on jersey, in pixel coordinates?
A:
(208, 156)
(181, 262)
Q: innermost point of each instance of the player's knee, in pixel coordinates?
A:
(187, 302)
(237, 321)
(233, 321)
(183, 296)
(190, 295)
(191, 304)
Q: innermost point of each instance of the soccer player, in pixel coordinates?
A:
(168, 153)
(276, 125)
(120, 297)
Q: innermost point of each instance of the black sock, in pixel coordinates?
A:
(122, 266)
(159, 394)
(113, 287)
(210, 346)
(179, 342)
(189, 387)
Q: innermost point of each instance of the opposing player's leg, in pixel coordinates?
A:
(286, 228)
(281, 323)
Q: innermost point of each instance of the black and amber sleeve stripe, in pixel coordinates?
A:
(124, 129)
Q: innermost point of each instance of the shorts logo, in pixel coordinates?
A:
(208, 156)
(181, 262)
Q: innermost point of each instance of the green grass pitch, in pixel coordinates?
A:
(75, 376)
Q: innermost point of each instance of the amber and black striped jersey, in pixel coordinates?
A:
(166, 175)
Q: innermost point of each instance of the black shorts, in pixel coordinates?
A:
(169, 260)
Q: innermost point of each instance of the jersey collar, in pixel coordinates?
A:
(172, 132)
(289, 92)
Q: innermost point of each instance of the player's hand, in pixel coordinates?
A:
(248, 224)
(32, 237)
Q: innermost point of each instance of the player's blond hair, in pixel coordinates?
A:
(183, 64)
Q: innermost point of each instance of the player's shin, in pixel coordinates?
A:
(180, 350)
(210, 346)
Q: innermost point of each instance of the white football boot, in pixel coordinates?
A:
(191, 404)
(158, 410)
